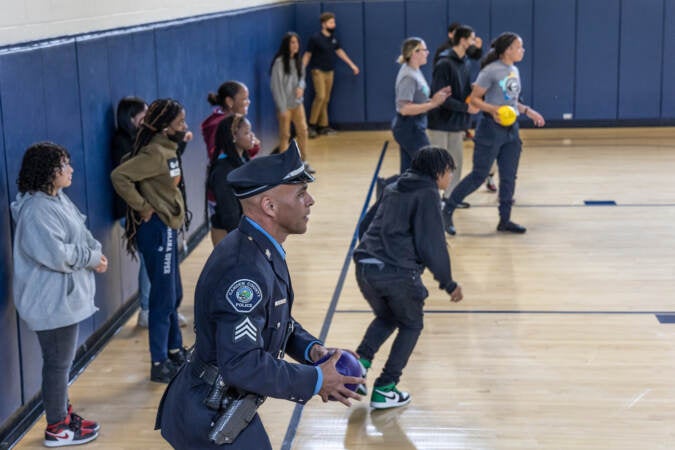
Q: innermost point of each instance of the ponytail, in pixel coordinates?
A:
(498, 47)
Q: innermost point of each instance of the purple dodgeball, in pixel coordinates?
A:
(347, 365)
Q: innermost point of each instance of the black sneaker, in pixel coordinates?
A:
(178, 358)
(309, 169)
(511, 227)
(81, 422)
(448, 225)
(66, 433)
(163, 372)
(463, 205)
(327, 131)
(311, 132)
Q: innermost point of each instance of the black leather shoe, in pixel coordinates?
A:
(463, 205)
(178, 358)
(163, 372)
(447, 223)
(511, 227)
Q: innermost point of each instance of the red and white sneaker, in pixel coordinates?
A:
(65, 433)
(81, 421)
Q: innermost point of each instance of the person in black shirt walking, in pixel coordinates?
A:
(322, 49)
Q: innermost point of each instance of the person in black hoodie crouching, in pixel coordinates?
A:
(405, 237)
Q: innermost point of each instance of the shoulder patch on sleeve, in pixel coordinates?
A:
(244, 295)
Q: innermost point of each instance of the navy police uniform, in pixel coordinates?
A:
(243, 323)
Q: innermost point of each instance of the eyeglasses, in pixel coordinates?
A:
(417, 50)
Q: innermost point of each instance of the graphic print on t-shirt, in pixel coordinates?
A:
(510, 86)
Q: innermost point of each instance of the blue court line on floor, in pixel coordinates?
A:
(666, 315)
(599, 203)
(666, 318)
(297, 411)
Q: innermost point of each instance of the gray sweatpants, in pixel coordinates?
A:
(452, 141)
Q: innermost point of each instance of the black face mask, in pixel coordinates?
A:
(331, 30)
(177, 136)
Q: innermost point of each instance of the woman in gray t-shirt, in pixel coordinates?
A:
(412, 100)
(498, 84)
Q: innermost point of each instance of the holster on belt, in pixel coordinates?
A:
(236, 416)
(235, 408)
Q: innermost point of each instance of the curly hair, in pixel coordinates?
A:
(432, 161)
(39, 167)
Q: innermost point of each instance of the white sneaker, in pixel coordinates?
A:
(142, 318)
(388, 397)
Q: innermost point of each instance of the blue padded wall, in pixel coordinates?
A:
(597, 59)
(553, 55)
(667, 86)
(97, 116)
(384, 32)
(474, 13)
(640, 60)
(516, 16)
(10, 379)
(427, 19)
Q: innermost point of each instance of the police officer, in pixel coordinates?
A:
(404, 237)
(244, 324)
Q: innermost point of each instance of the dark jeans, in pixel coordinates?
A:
(397, 298)
(410, 133)
(492, 141)
(158, 244)
(58, 350)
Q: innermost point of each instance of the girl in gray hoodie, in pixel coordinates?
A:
(55, 258)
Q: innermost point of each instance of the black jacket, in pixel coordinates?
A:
(452, 115)
(407, 229)
(228, 210)
(243, 312)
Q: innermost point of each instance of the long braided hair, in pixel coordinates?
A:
(159, 116)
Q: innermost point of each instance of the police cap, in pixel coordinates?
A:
(265, 172)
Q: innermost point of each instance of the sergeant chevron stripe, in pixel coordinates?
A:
(245, 329)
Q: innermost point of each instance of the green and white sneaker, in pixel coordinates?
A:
(362, 389)
(388, 397)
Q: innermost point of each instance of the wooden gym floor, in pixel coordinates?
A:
(556, 345)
